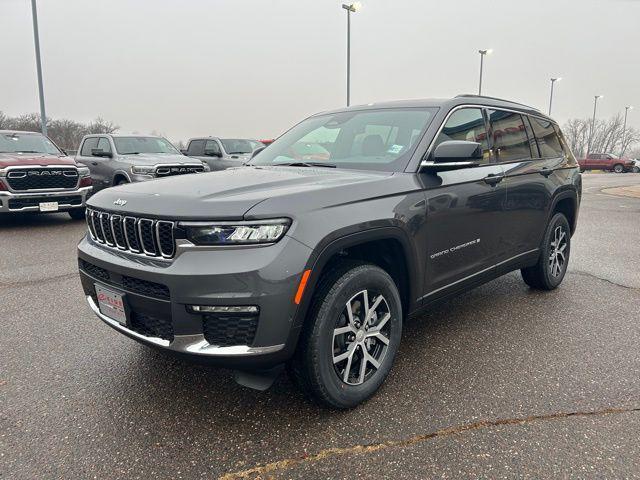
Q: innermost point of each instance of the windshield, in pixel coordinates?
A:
(27, 143)
(234, 146)
(367, 139)
(133, 145)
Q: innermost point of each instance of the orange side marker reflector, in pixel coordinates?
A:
(303, 283)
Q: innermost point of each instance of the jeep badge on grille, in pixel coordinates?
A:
(120, 202)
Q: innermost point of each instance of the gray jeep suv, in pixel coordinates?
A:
(317, 264)
(119, 159)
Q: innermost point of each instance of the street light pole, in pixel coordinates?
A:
(36, 39)
(553, 81)
(593, 121)
(624, 128)
(482, 54)
(353, 7)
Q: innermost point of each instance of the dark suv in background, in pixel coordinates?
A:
(119, 159)
(317, 264)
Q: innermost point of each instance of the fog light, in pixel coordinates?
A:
(223, 308)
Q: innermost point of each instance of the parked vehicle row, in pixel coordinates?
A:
(316, 264)
(38, 176)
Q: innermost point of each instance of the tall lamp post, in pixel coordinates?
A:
(553, 81)
(624, 128)
(350, 8)
(482, 53)
(36, 40)
(593, 121)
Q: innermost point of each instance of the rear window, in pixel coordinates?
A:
(548, 140)
(510, 141)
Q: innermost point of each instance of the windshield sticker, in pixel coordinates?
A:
(395, 149)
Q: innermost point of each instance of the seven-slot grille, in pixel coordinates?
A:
(43, 178)
(154, 238)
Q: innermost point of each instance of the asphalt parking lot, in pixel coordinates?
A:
(501, 382)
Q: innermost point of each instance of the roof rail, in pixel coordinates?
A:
(470, 95)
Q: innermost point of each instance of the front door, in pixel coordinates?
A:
(465, 226)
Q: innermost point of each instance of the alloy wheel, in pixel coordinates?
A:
(361, 337)
(557, 256)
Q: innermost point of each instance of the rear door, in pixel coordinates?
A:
(528, 149)
(464, 211)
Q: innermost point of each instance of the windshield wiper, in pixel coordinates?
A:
(131, 153)
(28, 151)
(305, 164)
(239, 153)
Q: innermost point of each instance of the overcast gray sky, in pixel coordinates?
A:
(251, 68)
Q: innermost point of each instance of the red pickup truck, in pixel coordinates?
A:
(37, 176)
(605, 161)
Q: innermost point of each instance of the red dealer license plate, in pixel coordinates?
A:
(111, 304)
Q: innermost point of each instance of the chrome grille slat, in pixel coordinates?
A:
(140, 236)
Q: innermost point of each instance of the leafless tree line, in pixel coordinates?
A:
(65, 133)
(608, 136)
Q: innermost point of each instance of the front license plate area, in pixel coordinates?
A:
(111, 304)
(48, 206)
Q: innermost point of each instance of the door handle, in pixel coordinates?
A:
(493, 179)
(546, 172)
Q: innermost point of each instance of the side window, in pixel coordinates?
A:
(564, 145)
(103, 144)
(548, 140)
(211, 147)
(510, 141)
(196, 148)
(466, 124)
(88, 145)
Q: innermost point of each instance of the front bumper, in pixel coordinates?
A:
(266, 277)
(13, 202)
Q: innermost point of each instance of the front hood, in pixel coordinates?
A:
(229, 194)
(159, 159)
(33, 159)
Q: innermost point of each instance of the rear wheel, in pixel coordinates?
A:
(351, 336)
(121, 181)
(618, 168)
(549, 272)
(77, 213)
(636, 169)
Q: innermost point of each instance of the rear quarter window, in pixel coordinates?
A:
(548, 140)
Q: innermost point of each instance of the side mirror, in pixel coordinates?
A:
(454, 154)
(183, 151)
(212, 153)
(98, 152)
(257, 151)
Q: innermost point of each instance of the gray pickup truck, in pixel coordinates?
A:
(119, 159)
(222, 153)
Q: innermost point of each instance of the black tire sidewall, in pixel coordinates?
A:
(558, 220)
(368, 277)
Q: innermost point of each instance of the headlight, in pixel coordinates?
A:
(84, 171)
(241, 233)
(142, 169)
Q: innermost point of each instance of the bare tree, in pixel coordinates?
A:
(65, 133)
(607, 137)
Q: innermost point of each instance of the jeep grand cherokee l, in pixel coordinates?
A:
(37, 176)
(119, 159)
(317, 264)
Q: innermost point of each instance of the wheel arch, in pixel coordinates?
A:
(118, 175)
(360, 245)
(567, 203)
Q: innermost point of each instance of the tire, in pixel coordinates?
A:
(323, 356)
(77, 213)
(121, 181)
(618, 168)
(548, 272)
(636, 170)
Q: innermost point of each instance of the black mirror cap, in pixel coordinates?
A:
(98, 152)
(183, 151)
(457, 151)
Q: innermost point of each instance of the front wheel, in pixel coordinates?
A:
(618, 168)
(552, 264)
(351, 336)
